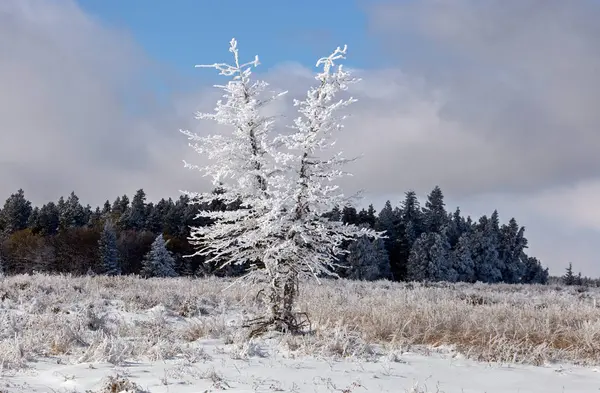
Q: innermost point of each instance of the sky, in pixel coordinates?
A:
(495, 101)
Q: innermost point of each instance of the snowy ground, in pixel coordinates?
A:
(63, 334)
(219, 370)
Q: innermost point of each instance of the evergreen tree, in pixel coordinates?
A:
(457, 227)
(49, 219)
(534, 272)
(106, 209)
(15, 213)
(109, 258)
(569, 277)
(33, 220)
(488, 267)
(71, 213)
(349, 215)
(430, 259)
(409, 230)
(334, 215)
(94, 218)
(155, 221)
(135, 217)
(368, 260)
(512, 252)
(159, 261)
(464, 266)
(367, 216)
(388, 221)
(435, 216)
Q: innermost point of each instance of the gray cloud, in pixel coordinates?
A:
(519, 76)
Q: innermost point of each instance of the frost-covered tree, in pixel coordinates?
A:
(311, 242)
(49, 219)
(569, 277)
(462, 258)
(488, 266)
(159, 261)
(135, 216)
(283, 194)
(512, 252)
(242, 169)
(15, 213)
(71, 213)
(535, 273)
(431, 259)
(435, 216)
(109, 255)
(368, 260)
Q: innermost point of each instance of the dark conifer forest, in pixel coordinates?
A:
(424, 242)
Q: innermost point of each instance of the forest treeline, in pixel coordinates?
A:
(424, 243)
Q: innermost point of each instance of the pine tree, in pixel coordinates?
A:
(109, 258)
(241, 213)
(388, 222)
(33, 220)
(431, 259)
(488, 267)
(71, 213)
(512, 252)
(534, 272)
(49, 219)
(349, 215)
(418, 260)
(15, 213)
(310, 242)
(410, 228)
(435, 216)
(159, 261)
(135, 217)
(106, 209)
(569, 277)
(281, 194)
(464, 266)
(368, 260)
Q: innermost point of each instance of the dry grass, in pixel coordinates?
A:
(122, 318)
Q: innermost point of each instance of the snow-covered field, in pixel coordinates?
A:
(67, 334)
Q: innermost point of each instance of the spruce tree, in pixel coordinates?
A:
(435, 216)
(109, 258)
(535, 273)
(430, 259)
(15, 213)
(368, 260)
(464, 265)
(388, 221)
(71, 213)
(569, 277)
(488, 267)
(159, 261)
(511, 252)
(134, 218)
(409, 230)
(49, 219)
